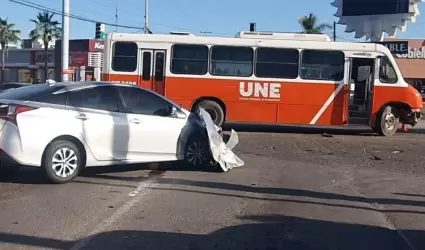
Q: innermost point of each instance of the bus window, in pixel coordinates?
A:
(277, 63)
(189, 59)
(124, 57)
(231, 61)
(322, 65)
(387, 73)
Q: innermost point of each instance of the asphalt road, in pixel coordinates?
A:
(296, 191)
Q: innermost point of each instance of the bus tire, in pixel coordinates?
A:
(214, 109)
(387, 122)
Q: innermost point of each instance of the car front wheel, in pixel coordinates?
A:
(62, 161)
(197, 151)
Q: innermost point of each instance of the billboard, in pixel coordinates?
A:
(373, 18)
(374, 7)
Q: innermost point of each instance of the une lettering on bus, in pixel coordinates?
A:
(255, 89)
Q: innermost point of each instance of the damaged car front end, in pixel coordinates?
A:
(202, 143)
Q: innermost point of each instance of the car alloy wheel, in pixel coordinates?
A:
(196, 153)
(64, 162)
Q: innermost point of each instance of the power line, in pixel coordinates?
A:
(85, 19)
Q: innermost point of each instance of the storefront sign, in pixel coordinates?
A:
(96, 45)
(413, 53)
(397, 47)
(78, 59)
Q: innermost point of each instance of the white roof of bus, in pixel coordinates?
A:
(171, 39)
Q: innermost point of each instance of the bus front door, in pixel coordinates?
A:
(361, 86)
(152, 70)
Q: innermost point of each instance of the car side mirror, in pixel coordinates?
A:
(177, 113)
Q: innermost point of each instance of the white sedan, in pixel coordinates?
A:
(64, 127)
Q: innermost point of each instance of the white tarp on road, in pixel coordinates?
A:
(221, 152)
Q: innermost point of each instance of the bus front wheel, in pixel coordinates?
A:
(215, 110)
(387, 121)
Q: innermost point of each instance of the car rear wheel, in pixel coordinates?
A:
(197, 151)
(62, 161)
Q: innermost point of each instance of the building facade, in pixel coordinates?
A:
(410, 57)
(27, 65)
(85, 60)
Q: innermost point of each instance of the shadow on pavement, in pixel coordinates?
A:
(271, 232)
(291, 192)
(302, 129)
(31, 175)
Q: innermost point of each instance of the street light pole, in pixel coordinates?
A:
(65, 40)
(146, 18)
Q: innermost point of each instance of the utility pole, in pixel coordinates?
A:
(146, 18)
(65, 40)
(334, 31)
(116, 18)
(205, 32)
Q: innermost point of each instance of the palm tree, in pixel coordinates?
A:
(310, 26)
(46, 29)
(8, 34)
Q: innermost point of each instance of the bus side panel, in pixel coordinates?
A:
(185, 91)
(298, 104)
(336, 113)
(121, 78)
(301, 102)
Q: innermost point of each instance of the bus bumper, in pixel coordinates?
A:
(413, 117)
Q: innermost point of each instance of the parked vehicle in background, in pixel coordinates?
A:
(262, 77)
(64, 127)
(12, 85)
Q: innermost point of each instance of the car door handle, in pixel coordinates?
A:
(135, 121)
(81, 117)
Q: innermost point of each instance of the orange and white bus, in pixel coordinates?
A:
(261, 77)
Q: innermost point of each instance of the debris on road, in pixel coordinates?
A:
(374, 157)
(327, 135)
(221, 152)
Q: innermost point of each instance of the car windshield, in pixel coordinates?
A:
(30, 93)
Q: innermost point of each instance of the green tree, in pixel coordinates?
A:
(310, 26)
(8, 34)
(45, 30)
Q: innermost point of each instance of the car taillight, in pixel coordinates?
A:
(13, 111)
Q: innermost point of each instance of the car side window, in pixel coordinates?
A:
(139, 101)
(102, 98)
(59, 99)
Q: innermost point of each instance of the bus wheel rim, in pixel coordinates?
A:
(390, 121)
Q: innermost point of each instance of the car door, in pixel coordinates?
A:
(153, 132)
(103, 126)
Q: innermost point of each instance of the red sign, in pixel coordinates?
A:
(96, 45)
(79, 59)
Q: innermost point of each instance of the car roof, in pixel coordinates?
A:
(72, 86)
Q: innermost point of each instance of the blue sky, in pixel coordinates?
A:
(221, 17)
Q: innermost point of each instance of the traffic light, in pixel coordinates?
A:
(100, 31)
(252, 27)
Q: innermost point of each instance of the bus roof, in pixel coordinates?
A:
(312, 42)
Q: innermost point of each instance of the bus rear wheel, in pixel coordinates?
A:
(214, 109)
(387, 121)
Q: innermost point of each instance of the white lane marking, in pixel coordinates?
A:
(138, 195)
(327, 103)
